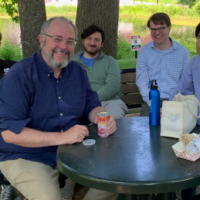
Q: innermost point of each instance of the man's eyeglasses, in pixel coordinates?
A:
(160, 29)
(58, 40)
(198, 38)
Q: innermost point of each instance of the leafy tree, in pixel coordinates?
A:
(31, 15)
(11, 8)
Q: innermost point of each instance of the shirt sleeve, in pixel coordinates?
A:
(185, 85)
(13, 103)
(112, 82)
(142, 78)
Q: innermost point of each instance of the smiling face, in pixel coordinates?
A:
(92, 44)
(57, 54)
(159, 35)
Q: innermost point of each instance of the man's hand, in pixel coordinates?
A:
(75, 134)
(111, 125)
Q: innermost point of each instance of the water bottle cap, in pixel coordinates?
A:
(154, 84)
(89, 142)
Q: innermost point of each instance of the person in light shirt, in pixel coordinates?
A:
(162, 60)
(189, 83)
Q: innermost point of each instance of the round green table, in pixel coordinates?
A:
(134, 160)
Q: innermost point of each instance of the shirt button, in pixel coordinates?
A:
(61, 131)
(59, 97)
(51, 72)
(57, 81)
(61, 114)
(48, 74)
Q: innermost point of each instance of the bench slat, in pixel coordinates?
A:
(129, 88)
(130, 93)
(128, 77)
(128, 99)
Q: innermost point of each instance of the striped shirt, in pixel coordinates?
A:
(164, 66)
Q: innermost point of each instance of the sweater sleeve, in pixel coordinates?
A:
(112, 82)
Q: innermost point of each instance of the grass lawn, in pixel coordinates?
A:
(127, 63)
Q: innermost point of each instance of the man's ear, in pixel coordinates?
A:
(102, 45)
(41, 40)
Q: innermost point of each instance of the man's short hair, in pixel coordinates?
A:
(92, 29)
(197, 30)
(47, 23)
(159, 18)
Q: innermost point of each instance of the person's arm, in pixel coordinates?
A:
(186, 59)
(142, 78)
(185, 85)
(112, 82)
(16, 97)
(35, 138)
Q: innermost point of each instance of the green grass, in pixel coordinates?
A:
(10, 52)
(127, 63)
(61, 10)
(164, 1)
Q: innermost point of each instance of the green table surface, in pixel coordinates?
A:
(134, 160)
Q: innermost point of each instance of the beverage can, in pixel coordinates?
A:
(103, 119)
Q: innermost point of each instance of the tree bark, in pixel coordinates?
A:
(103, 13)
(32, 15)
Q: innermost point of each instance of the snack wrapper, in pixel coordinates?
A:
(189, 151)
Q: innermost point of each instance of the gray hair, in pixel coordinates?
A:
(47, 23)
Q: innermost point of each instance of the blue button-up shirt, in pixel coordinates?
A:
(166, 67)
(30, 96)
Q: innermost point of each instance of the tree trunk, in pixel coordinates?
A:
(32, 15)
(103, 13)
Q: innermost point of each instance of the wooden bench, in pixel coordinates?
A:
(130, 93)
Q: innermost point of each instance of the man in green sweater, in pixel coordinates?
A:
(102, 70)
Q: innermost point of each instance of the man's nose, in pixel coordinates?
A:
(157, 31)
(63, 44)
(92, 41)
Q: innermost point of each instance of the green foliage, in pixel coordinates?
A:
(127, 63)
(10, 52)
(125, 57)
(183, 36)
(11, 8)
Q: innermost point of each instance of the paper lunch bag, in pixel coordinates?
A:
(179, 116)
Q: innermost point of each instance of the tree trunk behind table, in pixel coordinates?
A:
(103, 13)
(32, 15)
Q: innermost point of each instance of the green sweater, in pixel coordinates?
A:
(104, 76)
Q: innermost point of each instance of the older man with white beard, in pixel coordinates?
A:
(43, 99)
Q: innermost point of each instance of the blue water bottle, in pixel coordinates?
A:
(154, 110)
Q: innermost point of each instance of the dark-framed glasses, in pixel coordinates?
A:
(160, 29)
(58, 40)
